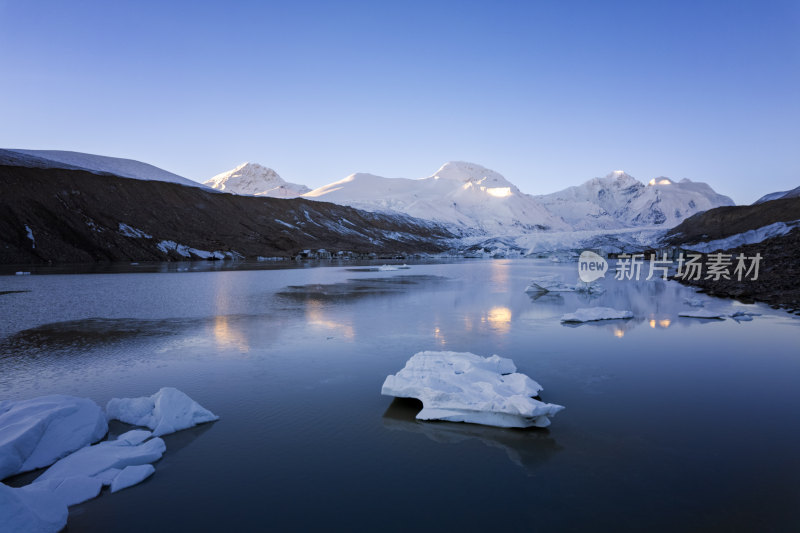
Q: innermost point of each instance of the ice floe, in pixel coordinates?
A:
(592, 314)
(702, 313)
(694, 302)
(80, 476)
(167, 411)
(59, 429)
(37, 432)
(464, 387)
(387, 268)
(554, 284)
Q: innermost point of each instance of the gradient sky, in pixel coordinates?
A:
(548, 93)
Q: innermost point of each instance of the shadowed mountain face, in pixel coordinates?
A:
(780, 263)
(69, 215)
(723, 222)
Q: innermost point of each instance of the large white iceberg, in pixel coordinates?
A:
(592, 314)
(167, 411)
(464, 387)
(37, 432)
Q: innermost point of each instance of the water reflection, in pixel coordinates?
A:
(228, 336)
(320, 316)
(526, 448)
(499, 319)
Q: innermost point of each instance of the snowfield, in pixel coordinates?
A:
(127, 168)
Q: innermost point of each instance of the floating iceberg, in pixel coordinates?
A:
(702, 313)
(549, 284)
(80, 476)
(592, 314)
(35, 433)
(167, 411)
(694, 302)
(464, 387)
(386, 268)
(554, 284)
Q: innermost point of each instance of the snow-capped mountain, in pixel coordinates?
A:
(794, 193)
(255, 180)
(467, 196)
(621, 201)
(127, 168)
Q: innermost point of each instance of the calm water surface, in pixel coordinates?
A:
(670, 423)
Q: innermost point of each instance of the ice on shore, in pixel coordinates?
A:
(464, 387)
(31, 508)
(37, 432)
(702, 313)
(167, 411)
(743, 316)
(592, 314)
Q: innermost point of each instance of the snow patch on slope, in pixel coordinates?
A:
(753, 236)
(126, 168)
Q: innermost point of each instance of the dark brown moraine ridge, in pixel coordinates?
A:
(75, 216)
(778, 283)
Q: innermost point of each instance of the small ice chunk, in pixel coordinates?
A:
(702, 313)
(167, 411)
(386, 268)
(93, 460)
(464, 387)
(549, 284)
(80, 476)
(592, 314)
(130, 476)
(31, 508)
(694, 302)
(37, 432)
(743, 315)
(22, 273)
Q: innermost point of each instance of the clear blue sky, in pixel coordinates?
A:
(548, 93)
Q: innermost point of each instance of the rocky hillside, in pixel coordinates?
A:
(723, 222)
(71, 215)
(779, 268)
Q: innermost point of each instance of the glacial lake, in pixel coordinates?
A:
(670, 423)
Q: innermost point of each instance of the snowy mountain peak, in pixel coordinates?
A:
(469, 172)
(472, 198)
(663, 180)
(256, 180)
(620, 200)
